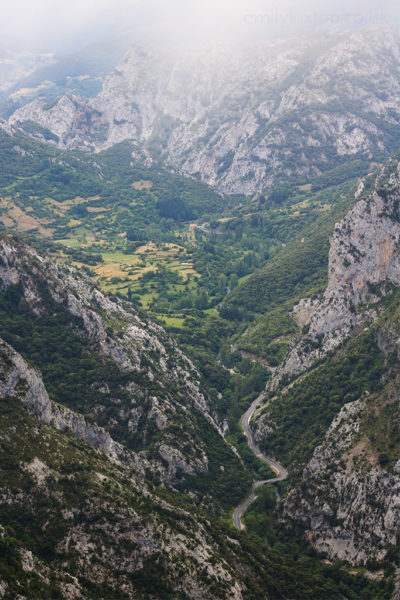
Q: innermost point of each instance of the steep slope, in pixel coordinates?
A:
(336, 424)
(364, 259)
(241, 117)
(96, 528)
(102, 359)
(348, 501)
(80, 514)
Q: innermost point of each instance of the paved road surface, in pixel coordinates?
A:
(275, 466)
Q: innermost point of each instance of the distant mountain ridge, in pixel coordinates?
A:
(240, 117)
(16, 65)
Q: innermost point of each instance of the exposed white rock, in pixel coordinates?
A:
(28, 562)
(360, 188)
(350, 514)
(39, 470)
(240, 116)
(6, 127)
(304, 311)
(364, 257)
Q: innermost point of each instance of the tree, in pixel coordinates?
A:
(222, 284)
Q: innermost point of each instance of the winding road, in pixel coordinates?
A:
(275, 466)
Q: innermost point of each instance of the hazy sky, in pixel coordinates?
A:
(66, 25)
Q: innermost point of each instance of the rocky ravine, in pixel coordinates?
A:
(240, 117)
(159, 385)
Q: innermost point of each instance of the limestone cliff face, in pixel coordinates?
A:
(364, 259)
(22, 381)
(347, 501)
(161, 384)
(348, 505)
(240, 117)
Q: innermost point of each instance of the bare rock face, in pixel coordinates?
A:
(6, 127)
(24, 382)
(240, 117)
(364, 259)
(161, 386)
(350, 514)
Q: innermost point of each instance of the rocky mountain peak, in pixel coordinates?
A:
(241, 117)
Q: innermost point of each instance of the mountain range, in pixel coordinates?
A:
(239, 117)
(199, 230)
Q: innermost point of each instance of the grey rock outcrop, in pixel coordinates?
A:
(240, 117)
(162, 385)
(350, 514)
(364, 260)
(19, 380)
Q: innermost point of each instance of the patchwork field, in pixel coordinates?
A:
(145, 274)
(13, 217)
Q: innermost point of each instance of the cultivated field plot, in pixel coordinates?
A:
(152, 269)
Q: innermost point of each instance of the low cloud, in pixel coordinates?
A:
(57, 25)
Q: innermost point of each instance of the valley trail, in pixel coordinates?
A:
(275, 466)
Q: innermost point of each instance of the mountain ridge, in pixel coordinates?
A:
(241, 118)
(46, 289)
